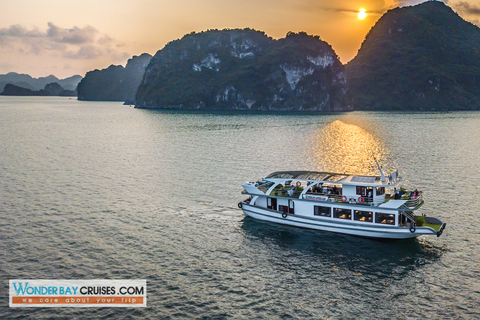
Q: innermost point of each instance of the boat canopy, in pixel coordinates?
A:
(331, 177)
(307, 175)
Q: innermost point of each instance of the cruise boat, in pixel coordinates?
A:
(367, 206)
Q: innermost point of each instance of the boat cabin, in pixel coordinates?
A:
(349, 197)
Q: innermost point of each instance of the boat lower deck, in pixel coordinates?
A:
(373, 230)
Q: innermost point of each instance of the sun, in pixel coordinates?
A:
(362, 14)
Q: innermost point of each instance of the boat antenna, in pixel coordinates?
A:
(380, 169)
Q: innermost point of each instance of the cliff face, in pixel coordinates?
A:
(115, 83)
(423, 57)
(133, 75)
(244, 70)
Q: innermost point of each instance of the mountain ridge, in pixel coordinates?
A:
(26, 81)
(51, 89)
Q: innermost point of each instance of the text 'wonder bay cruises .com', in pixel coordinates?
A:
(78, 293)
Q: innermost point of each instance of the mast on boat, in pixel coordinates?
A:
(382, 176)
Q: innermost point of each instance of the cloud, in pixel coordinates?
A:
(467, 8)
(72, 43)
(105, 40)
(74, 35)
(85, 52)
(19, 31)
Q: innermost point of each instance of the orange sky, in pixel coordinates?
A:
(65, 37)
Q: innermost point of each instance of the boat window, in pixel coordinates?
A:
(366, 216)
(361, 190)
(322, 211)
(272, 203)
(385, 218)
(380, 191)
(291, 206)
(283, 208)
(342, 213)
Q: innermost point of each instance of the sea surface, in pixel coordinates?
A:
(99, 190)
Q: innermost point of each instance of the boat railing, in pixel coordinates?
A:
(414, 201)
(338, 198)
(320, 196)
(285, 193)
(409, 215)
(352, 199)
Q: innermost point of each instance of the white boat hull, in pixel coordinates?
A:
(335, 225)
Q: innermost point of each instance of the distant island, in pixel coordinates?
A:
(51, 89)
(35, 84)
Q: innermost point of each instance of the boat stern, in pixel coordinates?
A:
(436, 224)
(440, 231)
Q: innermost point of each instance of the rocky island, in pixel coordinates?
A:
(245, 70)
(422, 57)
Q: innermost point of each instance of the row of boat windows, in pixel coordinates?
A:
(358, 215)
(364, 191)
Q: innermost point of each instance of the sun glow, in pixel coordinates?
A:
(362, 14)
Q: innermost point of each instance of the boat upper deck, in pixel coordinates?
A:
(336, 188)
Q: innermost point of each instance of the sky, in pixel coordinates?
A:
(65, 37)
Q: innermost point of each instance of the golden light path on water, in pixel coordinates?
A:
(348, 148)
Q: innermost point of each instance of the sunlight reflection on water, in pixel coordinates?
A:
(343, 147)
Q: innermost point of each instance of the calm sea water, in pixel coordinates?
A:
(101, 190)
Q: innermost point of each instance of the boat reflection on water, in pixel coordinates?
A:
(342, 147)
(378, 260)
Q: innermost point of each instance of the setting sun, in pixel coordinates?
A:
(362, 14)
